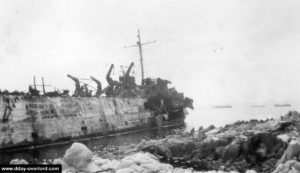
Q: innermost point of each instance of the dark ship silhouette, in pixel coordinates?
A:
(282, 105)
(222, 106)
(38, 119)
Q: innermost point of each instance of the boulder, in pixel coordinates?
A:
(262, 146)
(292, 151)
(284, 137)
(232, 151)
(288, 167)
(79, 157)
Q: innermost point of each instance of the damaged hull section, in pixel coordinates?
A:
(40, 120)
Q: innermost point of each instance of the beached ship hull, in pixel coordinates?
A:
(37, 120)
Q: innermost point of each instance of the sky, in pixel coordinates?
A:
(216, 52)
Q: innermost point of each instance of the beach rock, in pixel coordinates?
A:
(163, 153)
(291, 116)
(126, 170)
(250, 171)
(210, 127)
(18, 161)
(139, 162)
(288, 167)
(181, 170)
(255, 144)
(171, 146)
(261, 146)
(147, 163)
(292, 151)
(112, 165)
(284, 137)
(79, 157)
(100, 161)
(232, 151)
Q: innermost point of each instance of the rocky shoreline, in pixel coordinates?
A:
(245, 146)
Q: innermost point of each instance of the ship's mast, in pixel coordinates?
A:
(34, 84)
(139, 45)
(141, 54)
(43, 84)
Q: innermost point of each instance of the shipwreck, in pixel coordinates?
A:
(46, 118)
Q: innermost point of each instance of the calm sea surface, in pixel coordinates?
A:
(221, 116)
(37, 155)
(198, 117)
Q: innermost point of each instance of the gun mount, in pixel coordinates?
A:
(127, 81)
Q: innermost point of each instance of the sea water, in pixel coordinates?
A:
(205, 116)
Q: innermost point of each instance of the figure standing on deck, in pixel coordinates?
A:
(128, 82)
(7, 110)
(99, 87)
(77, 91)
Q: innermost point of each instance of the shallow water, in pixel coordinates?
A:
(95, 144)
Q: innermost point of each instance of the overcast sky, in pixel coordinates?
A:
(217, 52)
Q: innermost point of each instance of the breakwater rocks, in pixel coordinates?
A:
(252, 146)
(262, 146)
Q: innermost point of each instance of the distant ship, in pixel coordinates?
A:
(282, 105)
(222, 106)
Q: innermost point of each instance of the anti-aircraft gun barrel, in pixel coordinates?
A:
(129, 69)
(109, 80)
